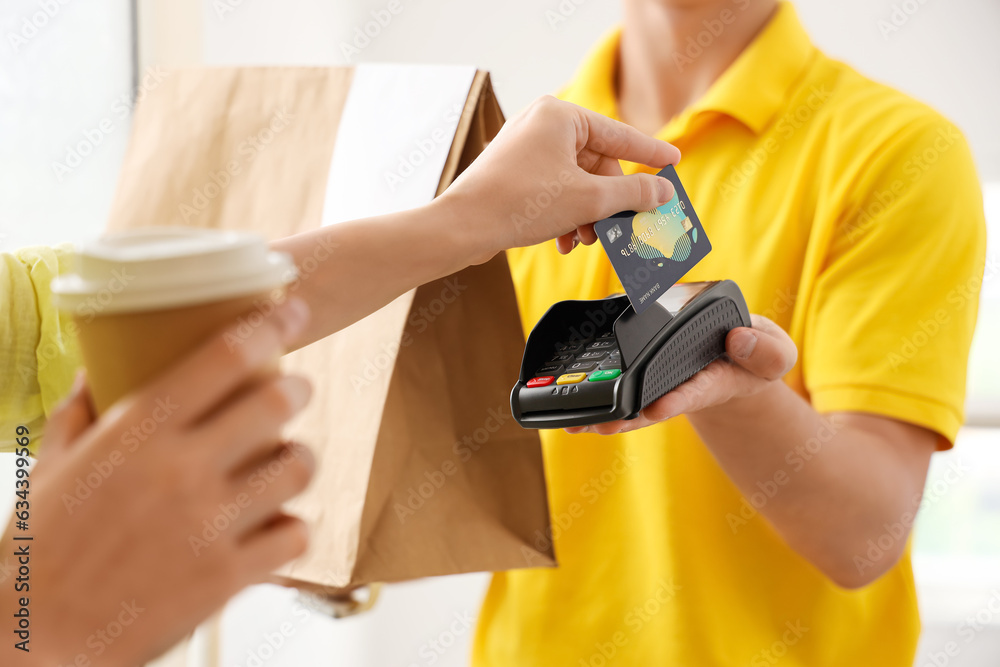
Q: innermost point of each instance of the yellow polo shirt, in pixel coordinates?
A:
(850, 215)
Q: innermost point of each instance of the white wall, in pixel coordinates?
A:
(65, 86)
(945, 53)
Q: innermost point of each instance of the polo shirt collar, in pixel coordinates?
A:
(753, 90)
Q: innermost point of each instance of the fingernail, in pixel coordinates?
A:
(742, 344)
(665, 189)
(292, 317)
(78, 382)
(297, 389)
(75, 389)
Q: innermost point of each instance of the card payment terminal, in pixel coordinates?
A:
(588, 362)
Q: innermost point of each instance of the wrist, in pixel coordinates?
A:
(465, 225)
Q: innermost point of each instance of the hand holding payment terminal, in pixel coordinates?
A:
(588, 362)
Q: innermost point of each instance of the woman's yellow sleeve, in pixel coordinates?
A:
(39, 355)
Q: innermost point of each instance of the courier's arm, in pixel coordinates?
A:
(556, 157)
(827, 483)
(849, 477)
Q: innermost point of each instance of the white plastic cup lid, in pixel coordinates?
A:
(169, 267)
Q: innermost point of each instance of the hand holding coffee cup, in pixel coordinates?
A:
(172, 526)
(143, 298)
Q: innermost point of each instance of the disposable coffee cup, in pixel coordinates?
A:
(144, 298)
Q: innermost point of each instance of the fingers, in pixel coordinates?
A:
(637, 192)
(715, 384)
(228, 360)
(595, 163)
(244, 429)
(586, 234)
(71, 418)
(763, 324)
(274, 544)
(624, 142)
(765, 350)
(614, 427)
(269, 482)
(566, 243)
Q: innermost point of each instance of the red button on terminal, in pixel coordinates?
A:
(543, 381)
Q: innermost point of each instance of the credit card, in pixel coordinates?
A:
(652, 250)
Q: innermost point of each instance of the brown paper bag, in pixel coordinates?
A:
(422, 470)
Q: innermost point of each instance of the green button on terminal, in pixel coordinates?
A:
(611, 374)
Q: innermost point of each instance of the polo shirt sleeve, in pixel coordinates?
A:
(38, 343)
(893, 308)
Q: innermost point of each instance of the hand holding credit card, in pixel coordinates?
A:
(652, 250)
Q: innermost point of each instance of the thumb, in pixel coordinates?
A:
(70, 418)
(636, 192)
(765, 353)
